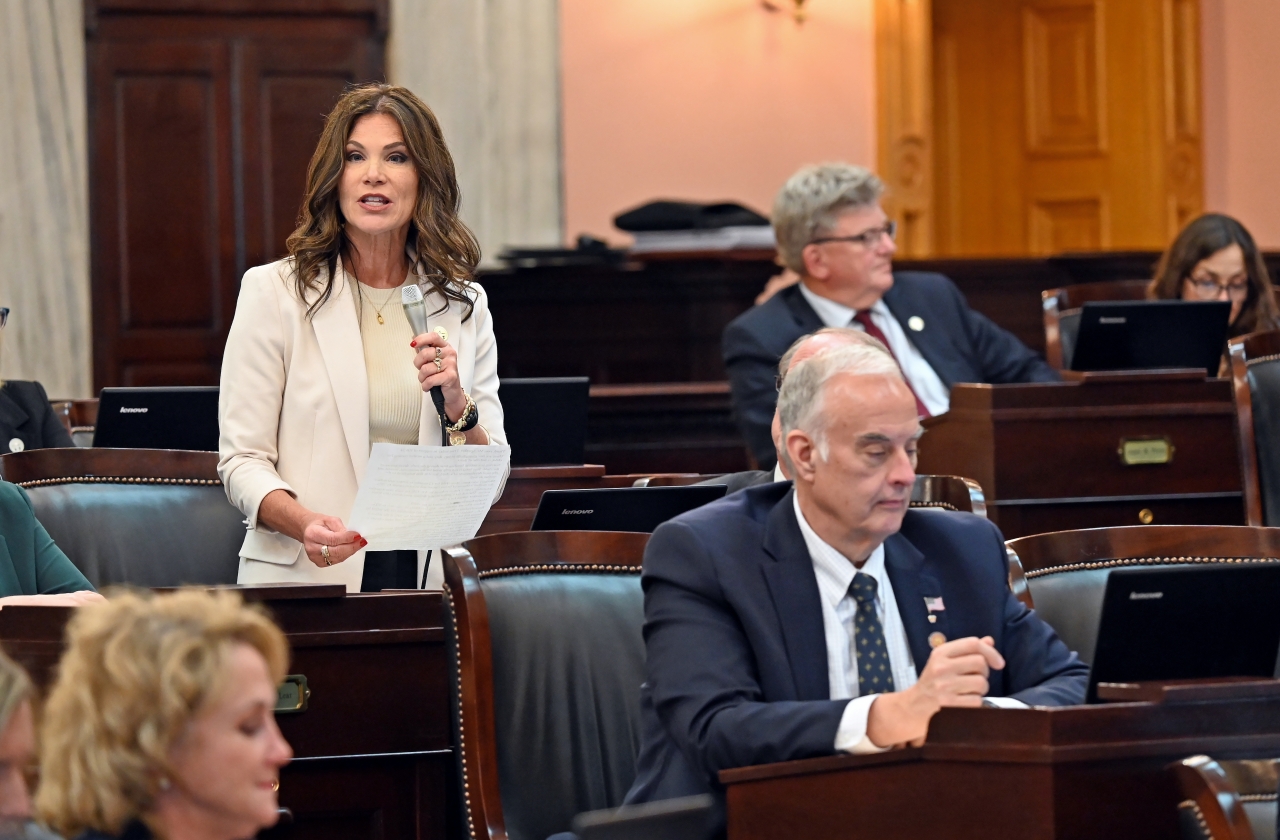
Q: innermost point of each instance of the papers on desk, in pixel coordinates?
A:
(416, 497)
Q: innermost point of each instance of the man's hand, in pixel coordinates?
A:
(955, 675)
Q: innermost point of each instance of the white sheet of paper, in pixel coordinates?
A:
(416, 497)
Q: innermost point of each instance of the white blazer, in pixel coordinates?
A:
(293, 410)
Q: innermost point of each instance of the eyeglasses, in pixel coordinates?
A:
(867, 239)
(1207, 288)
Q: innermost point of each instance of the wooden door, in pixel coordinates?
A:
(1064, 125)
(202, 124)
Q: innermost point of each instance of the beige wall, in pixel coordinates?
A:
(707, 100)
(1241, 108)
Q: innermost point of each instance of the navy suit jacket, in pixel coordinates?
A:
(736, 654)
(959, 344)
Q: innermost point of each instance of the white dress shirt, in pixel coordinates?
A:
(839, 609)
(919, 373)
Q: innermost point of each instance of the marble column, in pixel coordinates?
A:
(44, 204)
(490, 71)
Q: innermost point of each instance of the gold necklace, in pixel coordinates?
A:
(377, 310)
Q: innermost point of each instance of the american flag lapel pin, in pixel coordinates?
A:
(933, 605)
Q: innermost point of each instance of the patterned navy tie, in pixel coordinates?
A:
(875, 676)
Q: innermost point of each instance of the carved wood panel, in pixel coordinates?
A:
(1062, 47)
(202, 123)
(1061, 124)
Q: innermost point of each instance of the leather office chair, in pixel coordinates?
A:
(547, 660)
(1062, 313)
(1255, 377)
(1064, 574)
(144, 517)
(1227, 800)
(950, 492)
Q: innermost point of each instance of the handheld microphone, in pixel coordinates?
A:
(415, 309)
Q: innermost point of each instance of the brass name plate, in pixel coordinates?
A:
(1138, 451)
(293, 695)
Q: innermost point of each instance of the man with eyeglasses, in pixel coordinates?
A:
(832, 232)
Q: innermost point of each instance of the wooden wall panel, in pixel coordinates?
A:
(202, 123)
(1063, 72)
(1064, 124)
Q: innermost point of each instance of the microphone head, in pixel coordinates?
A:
(414, 308)
(410, 294)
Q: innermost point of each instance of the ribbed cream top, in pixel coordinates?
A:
(395, 396)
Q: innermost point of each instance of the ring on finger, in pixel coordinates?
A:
(439, 364)
(324, 552)
(439, 354)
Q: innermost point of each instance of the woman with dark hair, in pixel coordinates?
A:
(321, 361)
(1215, 258)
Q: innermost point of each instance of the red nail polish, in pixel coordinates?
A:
(413, 343)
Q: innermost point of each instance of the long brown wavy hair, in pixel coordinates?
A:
(446, 250)
(1203, 238)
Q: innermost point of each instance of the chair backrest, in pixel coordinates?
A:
(1062, 313)
(951, 492)
(943, 491)
(548, 658)
(1255, 377)
(1226, 800)
(150, 517)
(1066, 571)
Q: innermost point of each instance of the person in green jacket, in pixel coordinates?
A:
(33, 570)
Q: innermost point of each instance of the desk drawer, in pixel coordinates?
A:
(1041, 517)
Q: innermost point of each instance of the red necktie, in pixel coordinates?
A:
(864, 318)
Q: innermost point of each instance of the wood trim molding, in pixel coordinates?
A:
(904, 110)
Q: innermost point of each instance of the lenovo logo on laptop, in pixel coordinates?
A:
(567, 512)
(126, 410)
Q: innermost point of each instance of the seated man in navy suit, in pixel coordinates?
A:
(784, 623)
(833, 234)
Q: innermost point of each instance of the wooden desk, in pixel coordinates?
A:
(664, 427)
(1047, 457)
(1026, 774)
(372, 752)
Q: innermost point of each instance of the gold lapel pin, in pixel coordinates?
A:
(936, 639)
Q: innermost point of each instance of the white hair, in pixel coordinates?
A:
(809, 205)
(803, 395)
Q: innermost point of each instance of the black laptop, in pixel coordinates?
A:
(545, 419)
(620, 508)
(1151, 335)
(1186, 622)
(158, 418)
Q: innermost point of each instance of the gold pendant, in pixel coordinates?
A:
(380, 321)
(457, 439)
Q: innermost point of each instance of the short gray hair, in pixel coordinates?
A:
(810, 203)
(849, 335)
(800, 403)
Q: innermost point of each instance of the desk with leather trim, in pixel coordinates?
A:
(1075, 773)
(1048, 455)
(372, 752)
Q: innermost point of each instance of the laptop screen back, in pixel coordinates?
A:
(1188, 622)
(1151, 335)
(158, 418)
(619, 509)
(545, 419)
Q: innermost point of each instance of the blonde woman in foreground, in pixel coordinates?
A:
(161, 725)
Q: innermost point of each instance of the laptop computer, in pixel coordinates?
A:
(158, 418)
(1187, 622)
(686, 818)
(619, 508)
(1151, 334)
(545, 419)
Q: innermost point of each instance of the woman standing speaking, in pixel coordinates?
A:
(321, 361)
